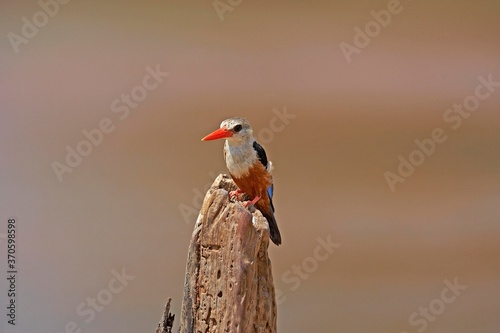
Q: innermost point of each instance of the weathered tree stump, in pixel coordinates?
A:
(229, 284)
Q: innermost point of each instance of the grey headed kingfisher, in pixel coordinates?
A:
(249, 167)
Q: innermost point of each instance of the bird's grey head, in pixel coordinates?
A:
(240, 129)
(235, 130)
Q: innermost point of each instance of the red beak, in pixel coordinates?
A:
(221, 133)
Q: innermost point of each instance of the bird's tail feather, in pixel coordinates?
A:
(273, 228)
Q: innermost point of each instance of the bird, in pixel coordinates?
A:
(247, 163)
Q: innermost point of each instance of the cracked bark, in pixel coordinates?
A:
(229, 284)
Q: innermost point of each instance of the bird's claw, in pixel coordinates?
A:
(246, 203)
(236, 193)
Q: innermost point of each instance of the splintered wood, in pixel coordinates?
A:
(229, 284)
(167, 320)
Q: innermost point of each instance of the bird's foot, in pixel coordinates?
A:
(246, 203)
(236, 193)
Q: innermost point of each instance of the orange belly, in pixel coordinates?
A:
(256, 182)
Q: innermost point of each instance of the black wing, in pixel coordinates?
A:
(261, 153)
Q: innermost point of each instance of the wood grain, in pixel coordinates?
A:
(229, 284)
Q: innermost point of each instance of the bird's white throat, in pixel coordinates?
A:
(240, 157)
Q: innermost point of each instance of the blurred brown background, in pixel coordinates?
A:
(122, 206)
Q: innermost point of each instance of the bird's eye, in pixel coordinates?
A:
(238, 128)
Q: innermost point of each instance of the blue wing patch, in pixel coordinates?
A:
(261, 154)
(270, 192)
